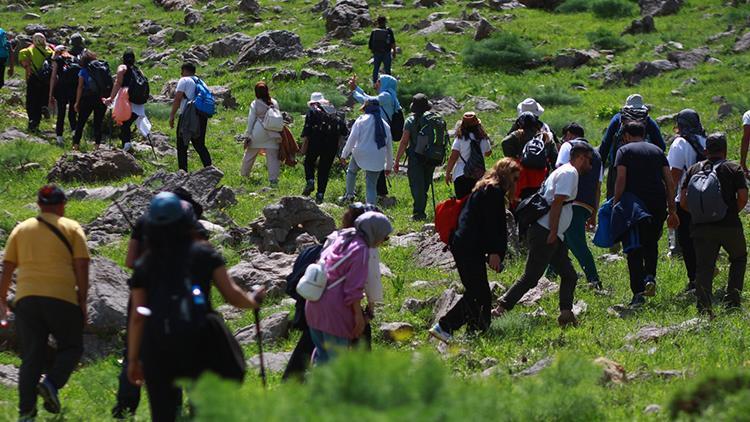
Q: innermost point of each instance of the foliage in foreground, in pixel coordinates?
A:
(724, 396)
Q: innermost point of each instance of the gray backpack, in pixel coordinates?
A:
(705, 201)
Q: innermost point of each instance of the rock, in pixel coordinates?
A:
(725, 110)
(720, 35)
(272, 329)
(446, 26)
(611, 258)
(271, 45)
(305, 240)
(644, 25)
(613, 372)
(229, 45)
(97, 166)
(689, 59)
(160, 38)
(420, 60)
(659, 7)
(320, 7)
(406, 240)
(397, 331)
(347, 17)
(97, 347)
(536, 368)
(543, 288)
(197, 54)
(644, 70)
(170, 5)
(273, 362)
(667, 47)
(220, 198)
(429, 254)
(284, 75)
(385, 271)
(505, 5)
(267, 270)
(579, 308)
(621, 311)
(444, 303)
(488, 362)
(9, 376)
(435, 48)
(655, 332)
(310, 73)
(541, 4)
(484, 30)
(284, 221)
(15, 7)
(149, 27)
(108, 296)
(660, 120)
(104, 193)
(446, 106)
(652, 409)
(416, 305)
(572, 58)
(428, 3)
(31, 16)
(12, 134)
(223, 96)
(193, 17)
(331, 64)
(249, 6)
(151, 56)
(179, 36)
(27, 167)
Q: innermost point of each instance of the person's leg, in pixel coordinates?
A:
(320, 355)
(84, 112)
(568, 277)
(351, 177)
(311, 159)
(128, 395)
(32, 337)
(300, 359)
(2, 72)
(33, 106)
(428, 172)
(636, 271)
(733, 241)
(651, 246)
(377, 59)
(248, 160)
(537, 260)
(163, 398)
(382, 184)
(65, 322)
(415, 173)
(125, 130)
(686, 242)
(387, 59)
(182, 148)
(371, 186)
(60, 123)
(474, 307)
(575, 239)
(199, 144)
(706, 251)
(273, 164)
(72, 117)
(99, 111)
(334, 345)
(325, 162)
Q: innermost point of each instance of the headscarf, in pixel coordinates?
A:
(261, 92)
(373, 107)
(39, 40)
(689, 125)
(373, 226)
(389, 84)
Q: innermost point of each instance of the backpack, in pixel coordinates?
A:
(432, 139)
(4, 45)
(446, 217)
(67, 77)
(396, 122)
(530, 210)
(627, 115)
(325, 123)
(474, 167)
(100, 79)
(138, 88)
(705, 202)
(44, 73)
(380, 40)
(204, 100)
(308, 256)
(273, 121)
(534, 153)
(314, 282)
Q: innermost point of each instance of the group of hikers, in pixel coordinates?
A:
(550, 184)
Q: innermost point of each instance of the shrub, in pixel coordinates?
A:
(293, 98)
(612, 9)
(505, 51)
(605, 39)
(606, 112)
(407, 87)
(574, 6)
(715, 394)
(554, 95)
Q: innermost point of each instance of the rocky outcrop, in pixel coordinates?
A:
(98, 166)
(269, 46)
(397, 331)
(267, 270)
(572, 58)
(12, 134)
(659, 7)
(484, 30)
(108, 295)
(273, 362)
(282, 222)
(445, 302)
(272, 329)
(251, 7)
(655, 332)
(229, 45)
(689, 59)
(645, 25)
(347, 17)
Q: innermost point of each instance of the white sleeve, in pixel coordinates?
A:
(250, 120)
(351, 141)
(181, 86)
(566, 184)
(746, 118)
(676, 155)
(374, 284)
(485, 146)
(456, 146)
(563, 156)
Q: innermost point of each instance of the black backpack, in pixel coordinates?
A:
(100, 79)
(396, 123)
(138, 88)
(67, 77)
(474, 167)
(627, 115)
(309, 255)
(534, 154)
(380, 41)
(326, 124)
(43, 73)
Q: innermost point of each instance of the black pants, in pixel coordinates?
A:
(199, 144)
(539, 257)
(2, 71)
(642, 261)
(463, 186)
(300, 360)
(37, 93)
(708, 239)
(473, 308)
(420, 178)
(686, 243)
(125, 131)
(64, 104)
(322, 153)
(382, 185)
(36, 318)
(90, 105)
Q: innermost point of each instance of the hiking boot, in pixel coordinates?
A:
(48, 392)
(27, 417)
(567, 318)
(419, 217)
(440, 334)
(650, 289)
(319, 198)
(596, 285)
(637, 301)
(309, 188)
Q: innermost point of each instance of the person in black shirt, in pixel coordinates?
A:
(382, 44)
(726, 233)
(62, 89)
(480, 240)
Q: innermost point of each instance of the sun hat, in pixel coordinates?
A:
(634, 101)
(317, 97)
(530, 105)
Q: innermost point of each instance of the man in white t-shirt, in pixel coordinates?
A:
(745, 141)
(546, 237)
(184, 93)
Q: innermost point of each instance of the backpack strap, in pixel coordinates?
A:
(700, 151)
(57, 233)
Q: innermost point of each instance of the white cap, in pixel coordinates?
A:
(634, 101)
(317, 97)
(530, 105)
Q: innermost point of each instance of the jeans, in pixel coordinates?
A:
(199, 144)
(420, 178)
(272, 162)
(327, 346)
(36, 318)
(62, 105)
(575, 239)
(686, 243)
(463, 185)
(708, 239)
(320, 153)
(125, 133)
(371, 182)
(37, 93)
(642, 261)
(539, 257)
(474, 306)
(87, 106)
(378, 59)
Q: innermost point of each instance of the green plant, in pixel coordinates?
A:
(407, 87)
(574, 6)
(612, 9)
(607, 111)
(711, 392)
(398, 284)
(505, 51)
(605, 39)
(554, 96)
(294, 97)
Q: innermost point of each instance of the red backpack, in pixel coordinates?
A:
(446, 217)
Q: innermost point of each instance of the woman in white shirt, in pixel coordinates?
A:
(466, 162)
(258, 138)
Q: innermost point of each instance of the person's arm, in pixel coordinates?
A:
(135, 336)
(554, 217)
(354, 286)
(8, 269)
(744, 147)
(609, 136)
(676, 175)
(118, 84)
(359, 95)
(683, 198)
(405, 138)
(12, 58)
(389, 151)
(178, 96)
(495, 225)
(81, 269)
(133, 253)
(369, 42)
(591, 222)
(79, 94)
(622, 175)
(741, 199)
(233, 294)
(655, 134)
(251, 117)
(52, 83)
(449, 166)
(393, 44)
(672, 221)
(351, 142)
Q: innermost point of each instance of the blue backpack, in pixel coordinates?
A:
(204, 101)
(4, 45)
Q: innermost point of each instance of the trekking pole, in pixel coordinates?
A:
(259, 338)
(127, 220)
(151, 142)
(434, 206)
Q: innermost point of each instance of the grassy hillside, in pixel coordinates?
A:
(411, 383)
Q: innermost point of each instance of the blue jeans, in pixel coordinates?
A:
(327, 346)
(377, 59)
(371, 182)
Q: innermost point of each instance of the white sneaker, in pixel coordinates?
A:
(440, 334)
(60, 141)
(128, 146)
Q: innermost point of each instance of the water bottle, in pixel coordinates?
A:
(198, 298)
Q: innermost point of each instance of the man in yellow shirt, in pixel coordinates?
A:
(37, 85)
(51, 260)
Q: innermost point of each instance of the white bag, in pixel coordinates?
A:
(273, 120)
(313, 283)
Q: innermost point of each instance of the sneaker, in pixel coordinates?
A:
(637, 301)
(319, 198)
(419, 217)
(308, 188)
(48, 392)
(567, 318)
(596, 285)
(27, 417)
(440, 334)
(346, 199)
(650, 289)
(127, 147)
(60, 141)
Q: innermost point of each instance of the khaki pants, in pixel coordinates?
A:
(272, 162)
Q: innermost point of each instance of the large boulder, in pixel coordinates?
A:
(271, 45)
(430, 253)
(13, 134)
(659, 7)
(645, 25)
(251, 7)
(108, 295)
(484, 30)
(346, 17)
(229, 45)
(689, 59)
(223, 96)
(445, 303)
(97, 166)
(272, 362)
(644, 70)
(282, 222)
(541, 4)
(267, 270)
(272, 329)
(572, 58)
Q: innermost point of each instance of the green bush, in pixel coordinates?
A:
(574, 6)
(605, 39)
(612, 9)
(505, 51)
(407, 87)
(293, 98)
(723, 396)
(554, 96)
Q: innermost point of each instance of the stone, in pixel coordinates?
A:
(272, 362)
(108, 296)
(621, 311)
(9, 376)
(149, 27)
(331, 64)
(15, 7)
(536, 368)
(170, 5)
(435, 48)
(446, 26)
(31, 16)
(484, 30)
(320, 7)
(420, 60)
(541, 4)
(196, 54)
(385, 271)
(428, 3)
(572, 58)
(644, 70)
(444, 303)
(311, 73)
(192, 17)
(271, 45)
(446, 106)
(720, 35)
(220, 198)
(413, 306)
(104, 193)
(429, 254)
(249, 6)
(272, 329)
(97, 166)
(655, 332)
(160, 38)
(652, 409)
(611, 258)
(725, 110)
(284, 75)
(347, 17)
(660, 120)
(668, 46)
(488, 362)
(406, 240)
(542, 289)
(659, 7)
(223, 96)
(397, 331)
(304, 241)
(267, 270)
(229, 45)
(689, 59)
(13, 134)
(579, 308)
(284, 221)
(644, 25)
(179, 36)
(483, 104)
(613, 372)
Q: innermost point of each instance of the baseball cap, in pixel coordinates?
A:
(165, 208)
(51, 195)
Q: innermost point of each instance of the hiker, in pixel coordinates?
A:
(337, 318)
(546, 236)
(745, 141)
(32, 59)
(94, 83)
(585, 205)
(129, 76)
(687, 149)
(186, 92)
(386, 86)
(633, 111)
(77, 45)
(533, 149)
(416, 141)
(725, 231)
(382, 44)
(466, 163)
(480, 240)
(371, 148)
(52, 259)
(321, 134)
(259, 137)
(174, 332)
(530, 105)
(7, 57)
(645, 186)
(62, 90)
